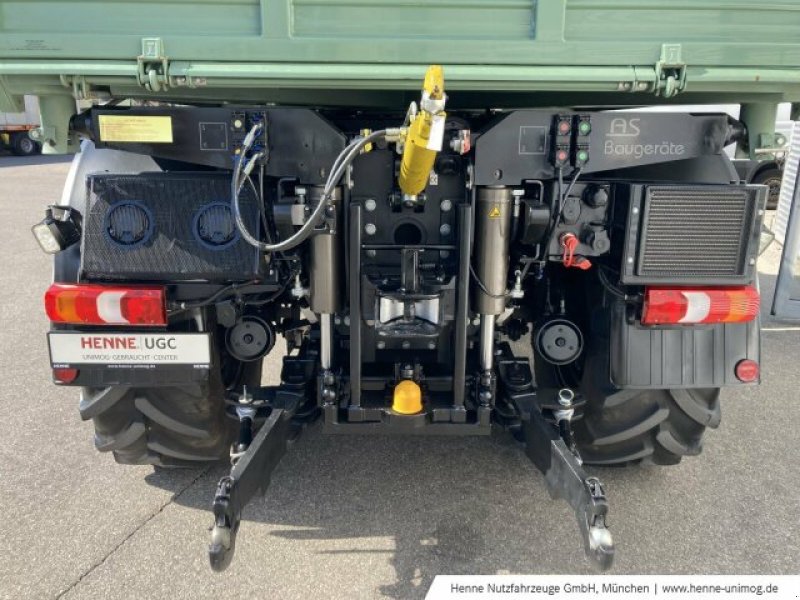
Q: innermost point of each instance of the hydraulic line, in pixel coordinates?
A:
(340, 165)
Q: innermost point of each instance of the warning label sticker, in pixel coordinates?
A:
(495, 212)
(75, 349)
(130, 128)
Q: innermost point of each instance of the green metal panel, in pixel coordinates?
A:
(373, 52)
(683, 21)
(527, 32)
(44, 18)
(410, 20)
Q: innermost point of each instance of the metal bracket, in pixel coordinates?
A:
(153, 65)
(250, 475)
(566, 479)
(670, 71)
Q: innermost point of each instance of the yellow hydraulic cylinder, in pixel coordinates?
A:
(425, 134)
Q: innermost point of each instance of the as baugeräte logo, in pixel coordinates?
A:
(622, 140)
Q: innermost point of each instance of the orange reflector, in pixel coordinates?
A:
(407, 398)
(689, 306)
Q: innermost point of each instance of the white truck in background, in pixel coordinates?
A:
(15, 129)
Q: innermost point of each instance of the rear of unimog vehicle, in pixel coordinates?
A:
(489, 244)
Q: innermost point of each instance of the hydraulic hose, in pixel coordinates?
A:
(341, 163)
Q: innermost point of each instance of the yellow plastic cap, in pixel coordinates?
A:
(407, 398)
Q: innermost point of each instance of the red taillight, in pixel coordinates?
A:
(678, 306)
(747, 371)
(91, 304)
(65, 375)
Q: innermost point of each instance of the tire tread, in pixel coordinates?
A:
(654, 426)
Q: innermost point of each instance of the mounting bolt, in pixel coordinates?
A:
(381, 345)
(246, 397)
(566, 396)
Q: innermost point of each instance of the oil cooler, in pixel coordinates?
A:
(691, 235)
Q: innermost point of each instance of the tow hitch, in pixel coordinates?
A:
(253, 464)
(545, 425)
(545, 421)
(548, 443)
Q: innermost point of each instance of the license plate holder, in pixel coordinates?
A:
(129, 350)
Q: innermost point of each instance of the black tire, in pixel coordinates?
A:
(628, 426)
(657, 427)
(772, 178)
(162, 426)
(23, 145)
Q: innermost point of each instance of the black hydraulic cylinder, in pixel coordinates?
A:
(326, 268)
(492, 237)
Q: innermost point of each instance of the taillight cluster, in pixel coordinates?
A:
(691, 306)
(90, 304)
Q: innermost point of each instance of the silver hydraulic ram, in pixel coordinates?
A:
(325, 272)
(492, 238)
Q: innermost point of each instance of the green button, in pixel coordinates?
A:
(583, 156)
(585, 128)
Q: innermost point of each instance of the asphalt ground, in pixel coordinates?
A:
(358, 517)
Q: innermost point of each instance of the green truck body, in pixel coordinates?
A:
(358, 51)
(370, 53)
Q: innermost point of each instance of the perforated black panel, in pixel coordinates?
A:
(166, 227)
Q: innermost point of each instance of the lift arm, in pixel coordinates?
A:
(250, 475)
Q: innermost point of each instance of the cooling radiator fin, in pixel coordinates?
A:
(693, 234)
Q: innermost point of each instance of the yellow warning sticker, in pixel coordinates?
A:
(129, 128)
(495, 212)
